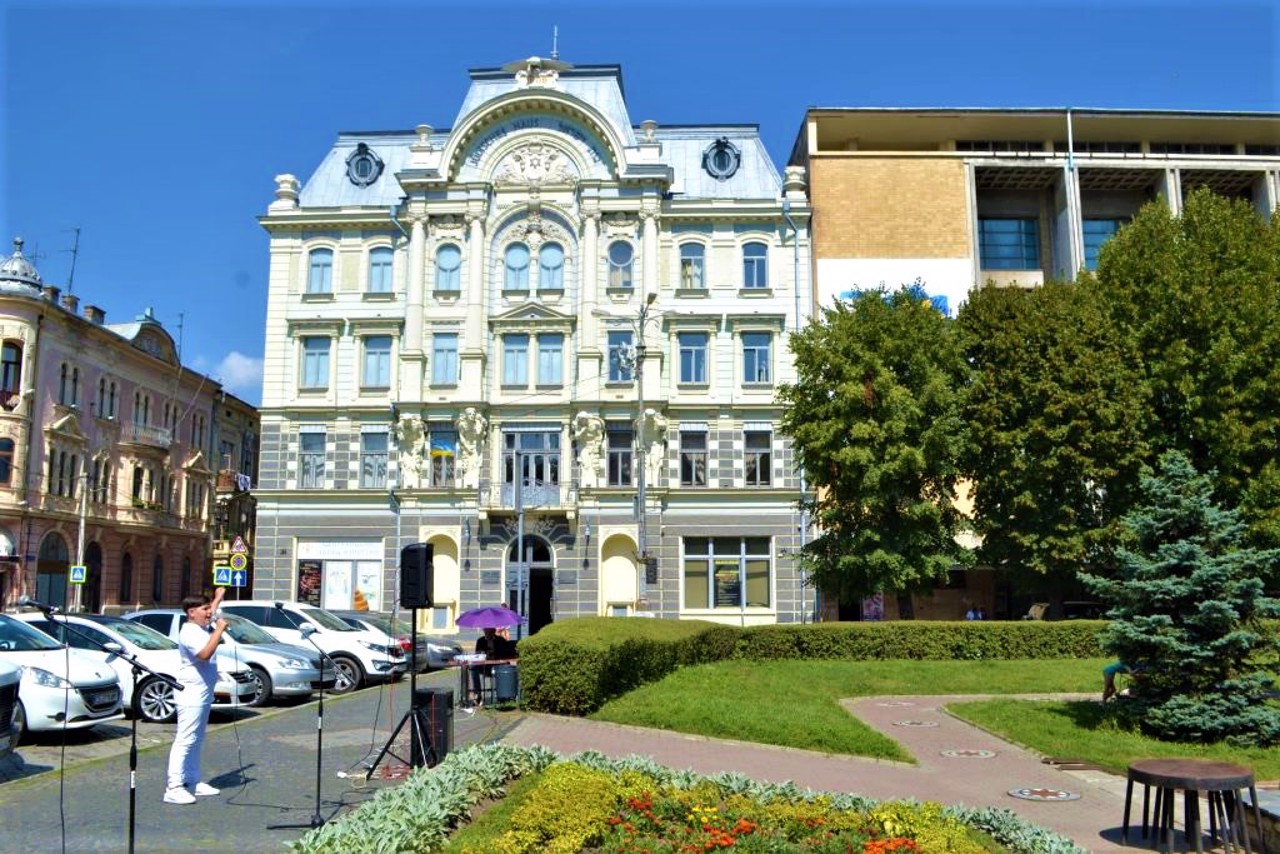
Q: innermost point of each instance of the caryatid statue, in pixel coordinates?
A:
(471, 429)
(588, 432)
(655, 437)
(411, 443)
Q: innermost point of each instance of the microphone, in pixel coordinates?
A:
(28, 602)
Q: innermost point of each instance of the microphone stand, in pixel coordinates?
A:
(138, 667)
(308, 630)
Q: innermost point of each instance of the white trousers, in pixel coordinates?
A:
(184, 756)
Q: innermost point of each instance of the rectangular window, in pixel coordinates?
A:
(755, 265)
(373, 460)
(621, 362)
(320, 272)
(1096, 233)
(444, 358)
(693, 357)
(315, 362)
(1009, 244)
(444, 454)
(550, 359)
(380, 270)
(311, 452)
(377, 362)
(759, 445)
(693, 458)
(621, 442)
(756, 361)
(726, 572)
(515, 360)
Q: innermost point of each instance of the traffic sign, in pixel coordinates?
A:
(239, 578)
(238, 547)
(78, 574)
(239, 561)
(222, 576)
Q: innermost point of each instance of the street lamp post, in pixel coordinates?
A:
(642, 541)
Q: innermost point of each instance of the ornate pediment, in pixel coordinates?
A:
(532, 316)
(66, 428)
(197, 465)
(535, 164)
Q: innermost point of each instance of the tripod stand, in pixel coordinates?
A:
(420, 743)
(307, 631)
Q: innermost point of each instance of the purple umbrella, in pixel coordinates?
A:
(488, 617)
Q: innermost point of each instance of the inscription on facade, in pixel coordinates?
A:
(587, 142)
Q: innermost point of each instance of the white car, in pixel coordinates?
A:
(60, 688)
(10, 677)
(279, 669)
(154, 700)
(358, 655)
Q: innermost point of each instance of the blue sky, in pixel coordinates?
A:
(156, 128)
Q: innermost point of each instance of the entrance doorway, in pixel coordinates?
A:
(536, 591)
(52, 567)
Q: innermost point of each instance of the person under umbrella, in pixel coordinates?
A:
(496, 644)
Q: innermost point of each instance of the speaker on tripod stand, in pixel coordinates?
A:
(430, 715)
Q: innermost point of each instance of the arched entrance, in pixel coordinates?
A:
(91, 596)
(540, 585)
(52, 566)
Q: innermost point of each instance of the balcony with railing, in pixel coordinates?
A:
(145, 434)
(535, 495)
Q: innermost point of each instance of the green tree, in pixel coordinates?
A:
(1186, 610)
(1056, 419)
(875, 425)
(1197, 294)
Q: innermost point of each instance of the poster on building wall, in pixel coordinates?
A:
(368, 590)
(873, 608)
(728, 584)
(309, 582)
(337, 585)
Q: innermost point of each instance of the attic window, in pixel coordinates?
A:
(363, 166)
(721, 159)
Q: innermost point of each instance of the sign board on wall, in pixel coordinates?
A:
(309, 582)
(345, 550)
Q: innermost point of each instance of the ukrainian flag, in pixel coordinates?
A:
(445, 445)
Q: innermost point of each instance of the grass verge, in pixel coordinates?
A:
(731, 699)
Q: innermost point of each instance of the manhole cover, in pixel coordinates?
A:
(915, 723)
(969, 754)
(894, 703)
(1041, 794)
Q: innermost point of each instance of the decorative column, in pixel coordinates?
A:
(411, 355)
(589, 358)
(471, 358)
(650, 241)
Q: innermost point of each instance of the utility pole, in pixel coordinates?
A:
(77, 602)
(642, 540)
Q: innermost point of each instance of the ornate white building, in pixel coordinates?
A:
(455, 314)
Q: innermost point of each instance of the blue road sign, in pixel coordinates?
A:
(239, 578)
(222, 576)
(78, 574)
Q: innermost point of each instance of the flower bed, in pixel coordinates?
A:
(591, 803)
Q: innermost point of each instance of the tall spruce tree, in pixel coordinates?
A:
(1186, 609)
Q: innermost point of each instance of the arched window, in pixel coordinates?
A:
(6, 460)
(69, 385)
(10, 367)
(448, 269)
(380, 270)
(620, 257)
(157, 580)
(126, 579)
(517, 263)
(185, 590)
(551, 267)
(692, 265)
(320, 271)
(755, 265)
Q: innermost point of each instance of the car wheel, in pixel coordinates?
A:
(349, 676)
(154, 701)
(20, 718)
(261, 687)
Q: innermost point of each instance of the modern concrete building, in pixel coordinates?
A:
(548, 320)
(951, 198)
(105, 455)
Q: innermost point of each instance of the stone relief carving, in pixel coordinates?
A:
(448, 226)
(411, 443)
(588, 432)
(655, 436)
(471, 429)
(619, 224)
(535, 164)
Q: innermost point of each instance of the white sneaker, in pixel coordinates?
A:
(203, 790)
(178, 796)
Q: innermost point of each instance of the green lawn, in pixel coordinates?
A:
(796, 703)
(1080, 731)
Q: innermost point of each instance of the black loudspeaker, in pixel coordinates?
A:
(415, 576)
(434, 707)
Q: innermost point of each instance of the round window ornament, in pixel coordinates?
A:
(721, 159)
(363, 166)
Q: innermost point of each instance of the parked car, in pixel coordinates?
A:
(360, 656)
(433, 653)
(154, 699)
(60, 688)
(279, 669)
(10, 678)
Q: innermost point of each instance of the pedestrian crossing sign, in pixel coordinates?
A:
(78, 574)
(222, 576)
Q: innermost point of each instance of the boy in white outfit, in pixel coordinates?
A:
(197, 643)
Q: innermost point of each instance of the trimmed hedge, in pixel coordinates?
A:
(573, 666)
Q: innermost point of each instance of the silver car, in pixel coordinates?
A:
(432, 653)
(279, 669)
